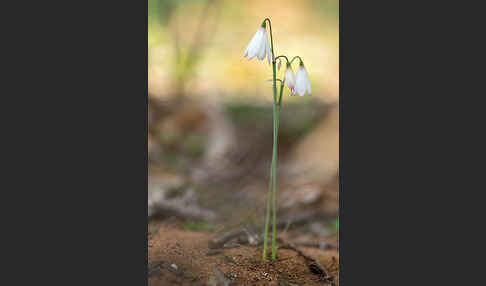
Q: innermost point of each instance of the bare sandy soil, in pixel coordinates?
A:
(181, 257)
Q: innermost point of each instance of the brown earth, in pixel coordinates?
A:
(224, 169)
(180, 257)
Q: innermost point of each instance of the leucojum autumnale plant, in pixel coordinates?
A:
(260, 47)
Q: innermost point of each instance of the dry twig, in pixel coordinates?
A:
(321, 245)
(219, 240)
(159, 205)
(313, 264)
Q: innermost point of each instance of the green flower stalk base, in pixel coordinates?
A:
(272, 191)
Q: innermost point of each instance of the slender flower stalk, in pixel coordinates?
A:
(274, 205)
(260, 47)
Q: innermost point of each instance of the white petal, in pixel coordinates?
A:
(309, 86)
(262, 47)
(268, 48)
(290, 80)
(248, 49)
(253, 52)
(300, 81)
(301, 91)
(261, 51)
(300, 86)
(252, 46)
(307, 81)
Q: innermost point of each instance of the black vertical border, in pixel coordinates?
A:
(341, 177)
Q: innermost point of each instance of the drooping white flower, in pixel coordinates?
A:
(302, 82)
(289, 79)
(259, 45)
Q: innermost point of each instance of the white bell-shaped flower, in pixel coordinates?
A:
(290, 79)
(302, 82)
(259, 45)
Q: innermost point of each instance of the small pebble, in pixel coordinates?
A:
(174, 266)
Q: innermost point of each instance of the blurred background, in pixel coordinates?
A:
(210, 116)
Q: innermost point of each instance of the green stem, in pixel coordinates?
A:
(277, 106)
(273, 55)
(296, 57)
(282, 56)
(273, 168)
(273, 177)
(267, 217)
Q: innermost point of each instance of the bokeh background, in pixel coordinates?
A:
(210, 115)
